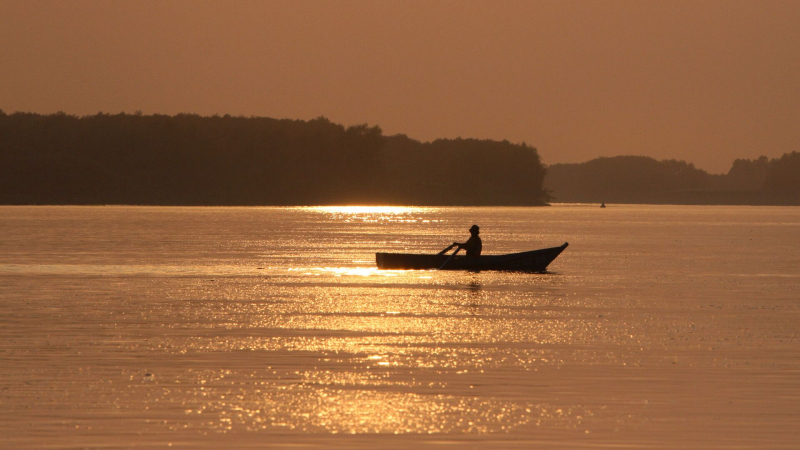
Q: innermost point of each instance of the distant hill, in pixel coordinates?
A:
(640, 179)
(192, 160)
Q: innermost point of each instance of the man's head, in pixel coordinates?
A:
(475, 229)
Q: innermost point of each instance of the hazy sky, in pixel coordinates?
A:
(703, 81)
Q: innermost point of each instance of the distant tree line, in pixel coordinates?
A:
(639, 179)
(192, 160)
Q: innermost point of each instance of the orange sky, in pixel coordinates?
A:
(703, 81)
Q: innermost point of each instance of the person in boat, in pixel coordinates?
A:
(473, 246)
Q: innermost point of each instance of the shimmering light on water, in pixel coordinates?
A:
(369, 210)
(348, 271)
(253, 327)
(376, 214)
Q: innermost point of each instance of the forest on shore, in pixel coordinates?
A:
(640, 179)
(188, 159)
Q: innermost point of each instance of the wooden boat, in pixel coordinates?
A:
(532, 261)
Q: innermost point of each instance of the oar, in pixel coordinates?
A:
(445, 250)
(451, 257)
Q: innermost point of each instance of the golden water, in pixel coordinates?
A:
(659, 327)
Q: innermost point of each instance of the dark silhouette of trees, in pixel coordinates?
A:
(783, 177)
(493, 173)
(222, 160)
(640, 179)
(747, 175)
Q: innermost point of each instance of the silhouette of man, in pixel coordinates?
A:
(473, 246)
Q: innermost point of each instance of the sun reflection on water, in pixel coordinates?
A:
(348, 271)
(272, 327)
(301, 408)
(369, 209)
(376, 214)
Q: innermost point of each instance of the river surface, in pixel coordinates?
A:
(152, 327)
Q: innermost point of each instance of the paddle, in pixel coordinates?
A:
(445, 250)
(451, 257)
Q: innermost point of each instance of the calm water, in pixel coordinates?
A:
(146, 327)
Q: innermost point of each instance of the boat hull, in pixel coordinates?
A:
(532, 261)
